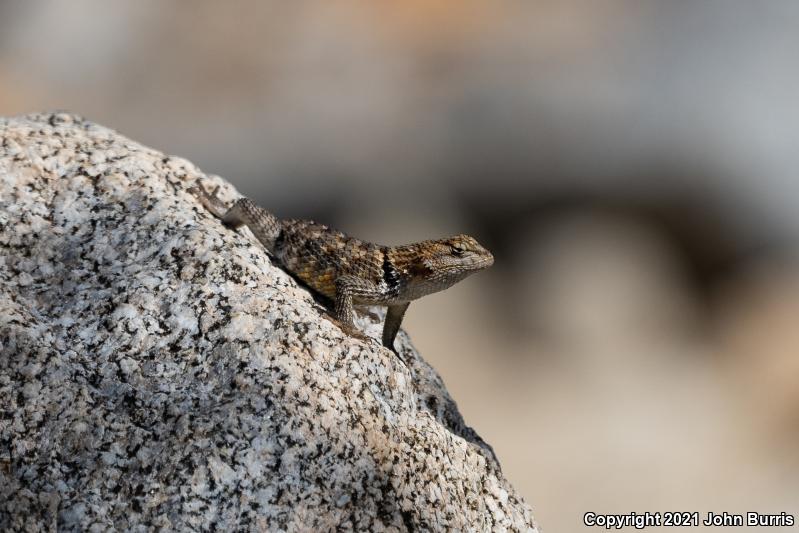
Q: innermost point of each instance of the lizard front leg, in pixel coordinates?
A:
(348, 290)
(394, 317)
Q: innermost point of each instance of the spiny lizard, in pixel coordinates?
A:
(351, 272)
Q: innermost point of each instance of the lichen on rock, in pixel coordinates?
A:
(158, 370)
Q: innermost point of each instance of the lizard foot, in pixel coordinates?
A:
(352, 331)
(209, 200)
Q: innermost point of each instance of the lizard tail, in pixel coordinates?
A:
(264, 225)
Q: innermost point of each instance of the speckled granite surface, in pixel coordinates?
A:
(158, 372)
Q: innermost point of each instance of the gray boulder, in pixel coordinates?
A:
(158, 370)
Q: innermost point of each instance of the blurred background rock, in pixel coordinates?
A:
(633, 165)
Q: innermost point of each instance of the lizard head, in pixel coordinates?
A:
(444, 262)
(464, 252)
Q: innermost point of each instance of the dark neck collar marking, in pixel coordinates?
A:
(390, 274)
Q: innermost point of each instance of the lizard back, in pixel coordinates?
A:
(319, 255)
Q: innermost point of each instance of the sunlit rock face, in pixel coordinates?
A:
(157, 370)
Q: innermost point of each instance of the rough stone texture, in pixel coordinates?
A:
(158, 371)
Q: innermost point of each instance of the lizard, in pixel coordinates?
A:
(349, 271)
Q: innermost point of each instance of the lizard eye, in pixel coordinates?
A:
(457, 250)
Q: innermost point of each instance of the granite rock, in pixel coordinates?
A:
(158, 370)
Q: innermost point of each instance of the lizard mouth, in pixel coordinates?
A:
(482, 261)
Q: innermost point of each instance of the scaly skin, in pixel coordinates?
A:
(353, 272)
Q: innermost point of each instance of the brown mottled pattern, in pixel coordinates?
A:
(319, 255)
(350, 271)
